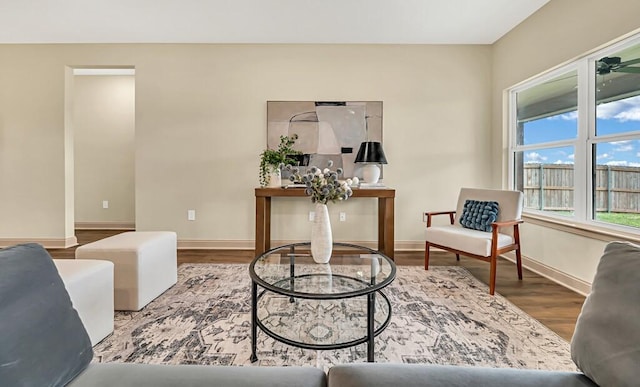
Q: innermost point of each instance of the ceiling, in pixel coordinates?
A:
(262, 21)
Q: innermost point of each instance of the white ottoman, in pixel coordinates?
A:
(90, 287)
(145, 265)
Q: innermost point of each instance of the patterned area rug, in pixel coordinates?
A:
(440, 316)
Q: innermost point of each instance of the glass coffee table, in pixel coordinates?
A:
(320, 306)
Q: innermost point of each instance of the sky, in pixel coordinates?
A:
(620, 116)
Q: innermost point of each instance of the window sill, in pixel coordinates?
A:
(585, 230)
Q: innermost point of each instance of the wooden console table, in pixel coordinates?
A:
(385, 197)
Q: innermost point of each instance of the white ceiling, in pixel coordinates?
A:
(261, 21)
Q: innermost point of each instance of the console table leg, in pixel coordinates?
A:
(292, 272)
(371, 311)
(254, 323)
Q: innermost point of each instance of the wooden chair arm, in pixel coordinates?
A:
(506, 223)
(439, 213)
(434, 213)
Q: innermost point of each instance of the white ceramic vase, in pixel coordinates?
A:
(321, 238)
(275, 179)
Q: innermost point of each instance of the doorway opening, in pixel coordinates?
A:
(101, 122)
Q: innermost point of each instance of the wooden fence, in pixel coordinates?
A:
(550, 187)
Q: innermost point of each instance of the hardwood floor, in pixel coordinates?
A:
(551, 304)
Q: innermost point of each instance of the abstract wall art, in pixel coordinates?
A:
(327, 130)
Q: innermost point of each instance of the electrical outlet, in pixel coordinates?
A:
(312, 216)
(105, 204)
(343, 216)
(191, 214)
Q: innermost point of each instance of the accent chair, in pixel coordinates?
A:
(483, 226)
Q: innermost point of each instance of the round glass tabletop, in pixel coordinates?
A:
(352, 271)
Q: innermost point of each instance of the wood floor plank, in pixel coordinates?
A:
(551, 304)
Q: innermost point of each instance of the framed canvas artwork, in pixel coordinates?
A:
(327, 130)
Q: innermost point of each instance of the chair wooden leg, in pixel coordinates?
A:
(426, 255)
(457, 257)
(492, 274)
(516, 237)
(519, 263)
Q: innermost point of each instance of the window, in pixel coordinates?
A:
(575, 139)
(546, 130)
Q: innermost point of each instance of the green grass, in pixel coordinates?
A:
(625, 219)
(621, 218)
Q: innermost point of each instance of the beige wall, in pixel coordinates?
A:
(201, 124)
(104, 137)
(201, 117)
(558, 32)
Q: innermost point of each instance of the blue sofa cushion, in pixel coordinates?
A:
(606, 341)
(479, 215)
(42, 340)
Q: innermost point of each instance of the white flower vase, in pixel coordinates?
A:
(321, 238)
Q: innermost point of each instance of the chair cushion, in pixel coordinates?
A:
(606, 342)
(479, 215)
(43, 341)
(465, 239)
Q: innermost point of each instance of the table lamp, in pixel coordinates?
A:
(371, 154)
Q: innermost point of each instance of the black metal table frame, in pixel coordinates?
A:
(369, 292)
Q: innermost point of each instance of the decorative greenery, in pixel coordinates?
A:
(272, 159)
(322, 185)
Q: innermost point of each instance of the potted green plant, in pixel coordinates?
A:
(272, 160)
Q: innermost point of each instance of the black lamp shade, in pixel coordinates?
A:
(371, 152)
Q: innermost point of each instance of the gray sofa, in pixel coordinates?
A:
(605, 345)
(43, 341)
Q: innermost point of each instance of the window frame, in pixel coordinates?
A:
(583, 143)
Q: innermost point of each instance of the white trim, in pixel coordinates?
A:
(568, 281)
(555, 275)
(545, 145)
(409, 246)
(49, 243)
(581, 166)
(561, 278)
(105, 225)
(202, 244)
(606, 234)
(104, 71)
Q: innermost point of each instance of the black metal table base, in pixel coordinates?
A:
(369, 338)
(287, 286)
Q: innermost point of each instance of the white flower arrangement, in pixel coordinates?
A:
(322, 185)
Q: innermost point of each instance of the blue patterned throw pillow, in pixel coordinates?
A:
(479, 215)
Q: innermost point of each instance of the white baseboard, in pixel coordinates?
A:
(49, 243)
(105, 225)
(409, 246)
(196, 244)
(561, 278)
